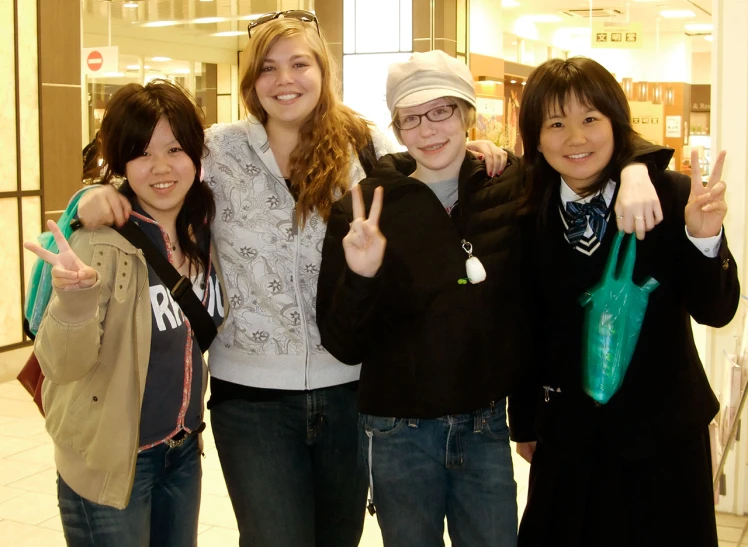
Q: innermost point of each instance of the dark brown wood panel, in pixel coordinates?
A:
(59, 41)
(448, 46)
(422, 45)
(330, 16)
(421, 20)
(445, 19)
(207, 98)
(61, 144)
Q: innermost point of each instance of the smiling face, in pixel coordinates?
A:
(162, 175)
(438, 147)
(577, 142)
(290, 82)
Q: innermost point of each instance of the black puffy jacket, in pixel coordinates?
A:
(430, 345)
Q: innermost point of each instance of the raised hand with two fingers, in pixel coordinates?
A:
(68, 271)
(364, 244)
(706, 208)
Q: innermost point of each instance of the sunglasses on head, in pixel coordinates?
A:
(301, 15)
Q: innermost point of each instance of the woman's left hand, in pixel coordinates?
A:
(637, 206)
(494, 156)
(706, 207)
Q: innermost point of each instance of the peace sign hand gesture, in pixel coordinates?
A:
(68, 271)
(364, 244)
(706, 207)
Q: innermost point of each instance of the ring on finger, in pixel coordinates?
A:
(638, 218)
(619, 217)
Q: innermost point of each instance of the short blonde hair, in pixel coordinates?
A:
(467, 116)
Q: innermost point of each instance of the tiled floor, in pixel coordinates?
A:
(28, 503)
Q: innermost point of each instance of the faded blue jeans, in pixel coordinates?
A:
(293, 469)
(458, 466)
(162, 511)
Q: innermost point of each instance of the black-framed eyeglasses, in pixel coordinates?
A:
(300, 14)
(438, 114)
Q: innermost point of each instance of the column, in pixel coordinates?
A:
(60, 102)
(729, 126)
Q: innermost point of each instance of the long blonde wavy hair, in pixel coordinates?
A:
(320, 163)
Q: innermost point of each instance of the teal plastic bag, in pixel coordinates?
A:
(613, 319)
(40, 281)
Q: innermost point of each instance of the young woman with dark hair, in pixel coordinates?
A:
(125, 376)
(636, 470)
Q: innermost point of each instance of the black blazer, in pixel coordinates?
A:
(665, 392)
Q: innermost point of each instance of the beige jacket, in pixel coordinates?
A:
(93, 346)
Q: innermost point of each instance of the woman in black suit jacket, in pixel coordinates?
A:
(637, 470)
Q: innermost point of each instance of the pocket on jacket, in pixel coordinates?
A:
(74, 411)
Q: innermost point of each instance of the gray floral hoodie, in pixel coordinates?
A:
(270, 266)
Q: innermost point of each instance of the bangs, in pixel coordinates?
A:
(561, 92)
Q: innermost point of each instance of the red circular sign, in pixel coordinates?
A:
(95, 61)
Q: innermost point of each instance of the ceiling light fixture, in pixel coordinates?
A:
(699, 27)
(490, 80)
(161, 59)
(130, 5)
(161, 24)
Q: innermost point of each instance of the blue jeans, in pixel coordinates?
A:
(162, 510)
(293, 469)
(458, 466)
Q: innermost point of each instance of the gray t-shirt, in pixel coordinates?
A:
(446, 191)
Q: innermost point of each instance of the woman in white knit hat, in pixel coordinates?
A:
(436, 321)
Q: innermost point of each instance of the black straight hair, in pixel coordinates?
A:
(126, 130)
(552, 85)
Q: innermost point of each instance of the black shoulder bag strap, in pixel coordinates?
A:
(367, 156)
(179, 286)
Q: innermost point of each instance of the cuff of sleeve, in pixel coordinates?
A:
(76, 306)
(709, 246)
(360, 284)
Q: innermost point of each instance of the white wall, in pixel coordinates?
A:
(486, 36)
(671, 62)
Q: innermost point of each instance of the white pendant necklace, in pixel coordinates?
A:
(473, 267)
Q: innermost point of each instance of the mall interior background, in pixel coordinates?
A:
(682, 63)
